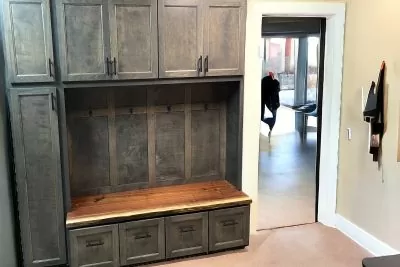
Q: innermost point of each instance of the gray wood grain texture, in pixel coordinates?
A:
(229, 228)
(38, 175)
(180, 25)
(149, 82)
(222, 140)
(205, 142)
(112, 139)
(95, 246)
(62, 122)
(84, 39)
(28, 41)
(186, 234)
(132, 156)
(89, 154)
(142, 241)
(188, 133)
(134, 38)
(170, 146)
(233, 130)
(224, 36)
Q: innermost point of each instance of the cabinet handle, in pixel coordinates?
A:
(143, 236)
(50, 67)
(229, 222)
(115, 66)
(108, 66)
(94, 243)
(200, 64)
(206, 64)
(52, 101)
(187, 229)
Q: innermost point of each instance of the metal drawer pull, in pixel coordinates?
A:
(187, 229)
(142, 236)
(206, 64)
(108, 66)
(229, 222)
(200, 64)
(115, 66)
(50, 68)
(94, 243)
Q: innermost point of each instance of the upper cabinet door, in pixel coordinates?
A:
(134, 43)
(180, 24)
(224, 36)
(28, 40)
(84, 39)
(38, 176)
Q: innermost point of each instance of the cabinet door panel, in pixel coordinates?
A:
(38, 175)
(133, 28)
(224, 37)
(84, 39)
(181, 37)
(28, 40)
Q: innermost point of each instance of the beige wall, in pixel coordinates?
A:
(369, 197)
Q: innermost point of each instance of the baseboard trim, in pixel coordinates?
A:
(373, 245)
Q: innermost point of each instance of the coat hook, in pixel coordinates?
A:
(131, 110)
(90, 112)
(169, 108)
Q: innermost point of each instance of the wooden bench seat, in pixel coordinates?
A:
(153, 202)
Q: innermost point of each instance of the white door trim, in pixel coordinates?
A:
(335, 15)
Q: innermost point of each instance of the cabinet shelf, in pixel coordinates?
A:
(153, 202)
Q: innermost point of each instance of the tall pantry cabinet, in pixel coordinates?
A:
(53, 46)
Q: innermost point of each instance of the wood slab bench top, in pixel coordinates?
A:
(153, 202)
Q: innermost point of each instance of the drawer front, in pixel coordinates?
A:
(95, 246)
(142, 241)
(229, 228)
(186, 234)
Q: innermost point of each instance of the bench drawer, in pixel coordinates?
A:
(186, 234)
(142, 241)
(229, 228)
(95, 246)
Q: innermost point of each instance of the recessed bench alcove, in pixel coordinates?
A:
(152, 172)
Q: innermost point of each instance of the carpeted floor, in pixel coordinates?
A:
(310, 245)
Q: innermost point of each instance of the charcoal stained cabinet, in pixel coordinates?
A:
(224, 37)
(28, 41)
(38, 175)
(180, 38)
(103, 40)
(201, 37)
(84, 42)
(133, 37)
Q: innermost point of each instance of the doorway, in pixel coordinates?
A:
(292, 50)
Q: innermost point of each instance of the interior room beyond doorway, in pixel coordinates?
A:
(288, 154)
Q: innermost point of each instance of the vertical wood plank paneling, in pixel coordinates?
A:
(151, 131)
(112, 138)
(188, 133)
(222, 139)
